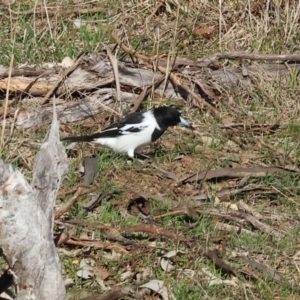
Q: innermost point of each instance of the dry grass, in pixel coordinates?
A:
(192, 29)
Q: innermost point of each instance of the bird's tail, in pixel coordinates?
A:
(83, 138)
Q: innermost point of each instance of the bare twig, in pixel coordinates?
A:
(96, 244)
(235, 172)
(115, 68)
(232, 228)
(69, 71)
(58, 10)
(145, 92)
(156, 230)
(252, 56)
(245, 207)
(117, 294)
(80, 192)
(225, 193)
(175, 79)
(6, 102)
(259, 225)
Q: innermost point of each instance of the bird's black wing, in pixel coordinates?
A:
(132, 123)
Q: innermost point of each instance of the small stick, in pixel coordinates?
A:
(172, 77)
(61, 79)
(66, 206)
(6, 102)
(252, 56)
(114, 64)
(145, 92)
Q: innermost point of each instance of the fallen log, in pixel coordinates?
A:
(26, 222)
(93, 78)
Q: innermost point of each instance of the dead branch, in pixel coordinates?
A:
(232, 228)
(145, 92)
(117, 294)
(213, 255)
(26, 222)
(96, 244)
(260, 225)
(57, 10)
(235, 172)
(54, 88)
(226, 193)
(156, 230)
(114, 64)
(66, 206)
(252, 56)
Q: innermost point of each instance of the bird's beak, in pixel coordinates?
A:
(184, 123)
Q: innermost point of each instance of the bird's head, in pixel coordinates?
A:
(167, 116)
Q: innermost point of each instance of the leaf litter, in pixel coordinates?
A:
(139, 205)
(178, 193)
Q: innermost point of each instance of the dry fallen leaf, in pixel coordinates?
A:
(166, 262)
(159, 287)
(204, 31)
(213, 280)
(86, 271)
(90, 169)
(126, 275)
(67, 62)
(144, 273)
(113, 255)
(100, 275)
(139, 205)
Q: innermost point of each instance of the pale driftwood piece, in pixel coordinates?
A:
(96, 72)
(60, 81)
(232, 228)
(229, 77)
(252, 56)
(259, 225)
(72, 111)
(26, 221)
(50, 166)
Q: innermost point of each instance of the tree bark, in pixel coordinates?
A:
(26, 221)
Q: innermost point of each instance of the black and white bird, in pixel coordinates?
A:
(136, 130)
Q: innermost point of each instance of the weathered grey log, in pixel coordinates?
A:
(94, 77)
(26, 222)
(230, 77)
(75, 110)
